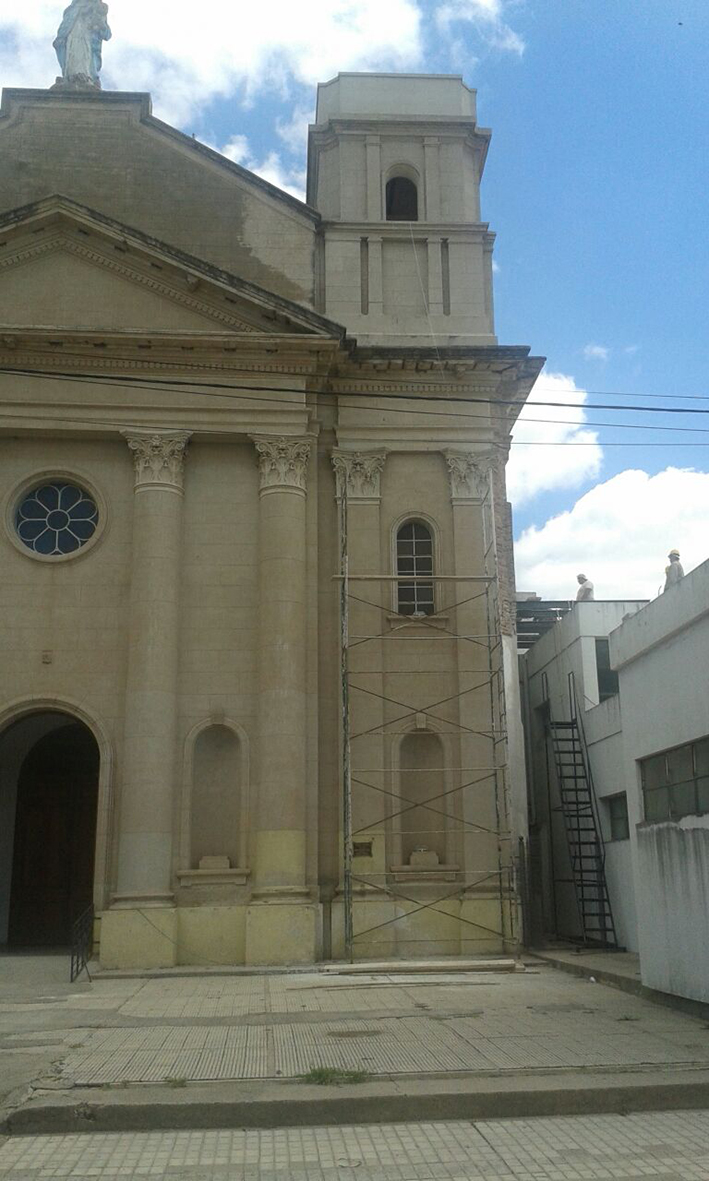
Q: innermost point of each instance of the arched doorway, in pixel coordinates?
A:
(49, 772)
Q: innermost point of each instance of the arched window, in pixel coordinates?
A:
(402, 199)
(414, 557)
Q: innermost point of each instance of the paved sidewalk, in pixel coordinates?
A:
(672, 1146)
(138, 1050)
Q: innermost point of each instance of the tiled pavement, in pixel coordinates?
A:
(667, 1146)
(222, 1028)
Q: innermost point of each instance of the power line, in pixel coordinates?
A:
(149, 383)
(219, 390)
(413, 381)
(228, 433)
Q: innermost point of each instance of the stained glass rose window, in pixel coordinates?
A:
(56, 519)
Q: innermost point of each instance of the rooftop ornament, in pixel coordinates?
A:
(78, 45)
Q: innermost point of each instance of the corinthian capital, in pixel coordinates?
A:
(469, 474)
(159, 457)
(358, 473)
(283, 461)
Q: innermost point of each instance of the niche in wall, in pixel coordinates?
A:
(216, 796)
(422, 778)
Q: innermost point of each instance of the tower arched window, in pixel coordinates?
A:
(402, 199)
(414, 562)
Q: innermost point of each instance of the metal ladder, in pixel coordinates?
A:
(583, 829)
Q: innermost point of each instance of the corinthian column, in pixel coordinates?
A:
(149, 750)
(284, 932)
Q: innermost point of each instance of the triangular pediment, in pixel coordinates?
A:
(66, 267)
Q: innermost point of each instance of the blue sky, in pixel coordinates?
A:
(596, 185)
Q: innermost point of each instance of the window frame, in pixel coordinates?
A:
(19, 492)
(671, 788)
(413, 520)
(612, 819)
(605, 675)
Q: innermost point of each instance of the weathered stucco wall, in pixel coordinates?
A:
(662, 655)
(673, 904)
(107, 153)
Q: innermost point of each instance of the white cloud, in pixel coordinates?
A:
(290, 178)
(294, 131)
(495, 267)
(596, 352)
(619, 534)
(186, 58)
(488, 18)
(534, 469)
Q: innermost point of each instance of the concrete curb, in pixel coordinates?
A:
(625, 983)
(277, 1105)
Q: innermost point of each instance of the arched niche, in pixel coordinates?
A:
(217, 796)
(422, 778)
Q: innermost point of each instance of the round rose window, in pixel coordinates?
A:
(56, 519)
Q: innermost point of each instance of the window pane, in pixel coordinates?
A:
(703, 793)
(683, 799)
(701, 757)
(657, 804)
(654, 772)
(679, 764)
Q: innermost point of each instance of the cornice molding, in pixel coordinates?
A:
(283, 462)
(158, 457)
(62, 242)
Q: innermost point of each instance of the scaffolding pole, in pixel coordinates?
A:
(384, 883)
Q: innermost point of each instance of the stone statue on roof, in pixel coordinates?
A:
(78, 43)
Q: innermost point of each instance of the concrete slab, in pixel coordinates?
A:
(230, 1046)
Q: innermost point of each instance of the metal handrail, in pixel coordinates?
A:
(82, 942)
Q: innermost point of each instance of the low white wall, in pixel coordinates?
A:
(673, 903)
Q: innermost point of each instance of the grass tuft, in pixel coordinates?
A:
(332, 1076)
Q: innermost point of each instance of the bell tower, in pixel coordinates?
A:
(394, 168)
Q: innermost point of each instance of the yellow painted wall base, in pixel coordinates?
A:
(283, 933)
(397, 929)
(209, 935)
(140, 938)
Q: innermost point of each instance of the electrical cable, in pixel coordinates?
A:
(149, 383)
(300, 403)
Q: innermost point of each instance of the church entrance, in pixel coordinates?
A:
(49, 769)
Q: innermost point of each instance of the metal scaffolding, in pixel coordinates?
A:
(469, 807)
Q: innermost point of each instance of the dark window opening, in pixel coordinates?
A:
(618, 816)
(402, 199)
(607, 677)
(414, 557)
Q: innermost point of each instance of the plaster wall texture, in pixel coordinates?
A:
(115, 157)
(661, 655)
(386, 95)
(203, 622)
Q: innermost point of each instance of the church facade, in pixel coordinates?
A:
(257, 639)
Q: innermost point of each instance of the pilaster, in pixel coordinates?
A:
(358, 479)
(128, 934)
(282, 920)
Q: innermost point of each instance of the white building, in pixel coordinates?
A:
(641, 673)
